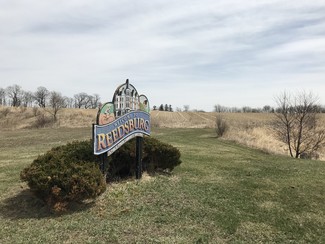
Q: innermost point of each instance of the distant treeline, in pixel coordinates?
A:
(15, 96)
(266, 109)
(162, 107)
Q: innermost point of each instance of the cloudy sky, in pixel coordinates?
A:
(180, 52)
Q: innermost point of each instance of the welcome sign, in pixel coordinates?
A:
(126, 117)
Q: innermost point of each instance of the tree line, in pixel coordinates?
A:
(163, 107)
(296, 122)
(246, 109)
(15, 96)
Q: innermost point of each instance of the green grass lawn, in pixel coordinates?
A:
(221, 193)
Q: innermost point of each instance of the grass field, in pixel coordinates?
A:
(221, 193)
(250, 129)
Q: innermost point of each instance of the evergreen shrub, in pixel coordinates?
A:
(70, 173)
(160, 156)
(157, 156)
(65, 174)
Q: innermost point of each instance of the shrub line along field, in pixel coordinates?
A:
(222, 193)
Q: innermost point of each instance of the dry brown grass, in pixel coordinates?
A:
(77, 118)
(251, 129)
(12, 118)
(182, 119)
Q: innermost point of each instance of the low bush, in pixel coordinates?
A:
(70, 173)
(65, 174)
(221, 126)
(160, 156)
(42, 121)
(122, 162)
(157, 156)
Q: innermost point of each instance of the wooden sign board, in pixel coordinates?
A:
(126, 117)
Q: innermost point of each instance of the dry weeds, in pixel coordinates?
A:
(251, 129)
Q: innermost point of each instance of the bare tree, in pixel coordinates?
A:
(27, 99)
(95, 100)
(2, 96)
(56, 102)
(186, 108)
(91, 101)
(221, 126)
(80, 99)
(296, 123)
(41, 96)
(246, 109)
(88, 102)
(69, 102)
(267, 109)
(15, 94)
(219, 108)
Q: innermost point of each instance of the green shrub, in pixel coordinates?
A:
(157, 156)
(122, 162)
(65, 174)
(71, 172)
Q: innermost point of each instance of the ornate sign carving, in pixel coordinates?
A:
(126, 117)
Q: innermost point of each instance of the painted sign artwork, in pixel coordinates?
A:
(106, 114)
(126, 117)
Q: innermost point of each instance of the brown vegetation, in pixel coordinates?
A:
(251, 129)
(13, 118)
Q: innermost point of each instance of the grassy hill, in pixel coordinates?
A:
(28, 118)
(250, 129)
(221, 193)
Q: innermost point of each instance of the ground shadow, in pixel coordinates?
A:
(25, 205)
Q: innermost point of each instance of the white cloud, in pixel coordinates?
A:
(172, 46)
(299, 47)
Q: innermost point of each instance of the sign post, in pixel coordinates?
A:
(126, 117)
(139, 157)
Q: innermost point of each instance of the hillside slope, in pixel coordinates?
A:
(251, 129)
(221, 193)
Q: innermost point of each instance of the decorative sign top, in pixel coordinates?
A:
(126, 117)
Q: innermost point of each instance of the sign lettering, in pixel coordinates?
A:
(126, 117)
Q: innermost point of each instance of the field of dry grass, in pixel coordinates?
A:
(251, 129)
(12, 118)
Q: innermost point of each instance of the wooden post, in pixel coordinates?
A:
(138, 172)
(103, 158)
